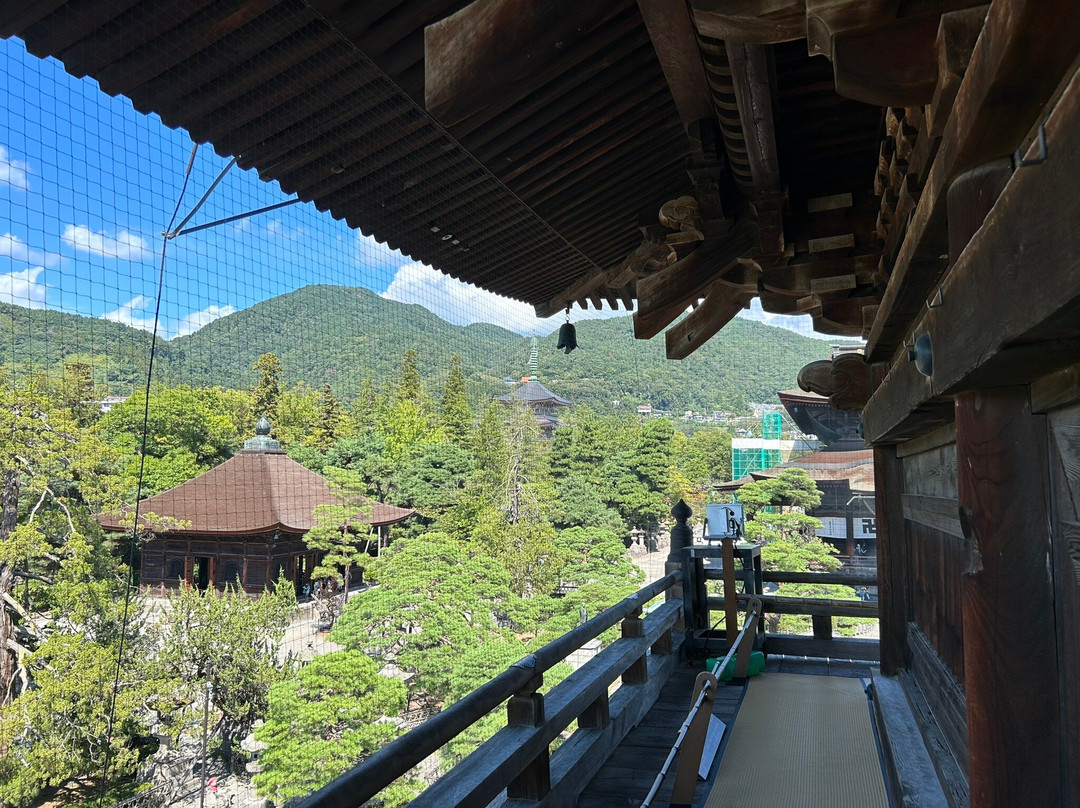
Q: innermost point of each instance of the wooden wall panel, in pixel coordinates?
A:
(1065, 479)
(932, 473)
(936, 545)
(937, 561)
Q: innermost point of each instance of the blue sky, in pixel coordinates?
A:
(87, 185)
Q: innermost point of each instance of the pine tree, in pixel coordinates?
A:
(332, 423)
(268, 388)
(456, 413)
(409, 387)
(367, 406)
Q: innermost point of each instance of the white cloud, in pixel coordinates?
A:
(16, 249)
(462, 304)
(275, 228)
(139, 313)
(800, 324)
(192, 322)
(22, 288)
(126, 246)
(133, 313)
(13, 172)
(370, 252)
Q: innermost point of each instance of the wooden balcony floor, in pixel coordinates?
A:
(628, 774)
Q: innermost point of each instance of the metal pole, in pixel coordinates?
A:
(205, 730)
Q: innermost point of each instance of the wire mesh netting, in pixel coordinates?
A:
(275, 492)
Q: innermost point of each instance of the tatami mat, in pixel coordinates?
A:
(801, 742)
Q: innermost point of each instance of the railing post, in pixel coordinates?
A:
(822, 626)
(637, 673)
(682, 536)
(597, 715)
(526, 709)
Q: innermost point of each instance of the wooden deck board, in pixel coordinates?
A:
(628, 774)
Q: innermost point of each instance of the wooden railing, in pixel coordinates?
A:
(820, 610)
(516, 759)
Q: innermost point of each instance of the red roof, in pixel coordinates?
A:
(253, 492)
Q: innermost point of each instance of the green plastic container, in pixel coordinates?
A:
(757, 665)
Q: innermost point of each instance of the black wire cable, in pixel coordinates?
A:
(139, 484)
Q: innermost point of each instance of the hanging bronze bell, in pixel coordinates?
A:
(567, 338)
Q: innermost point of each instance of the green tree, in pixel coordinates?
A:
(63, 596)
(408, 386)
(596, 555)
(432, 480)
(332, 424)
(434, 601)
(231, 641)
(185, 435)
(336, 534)
(368, 406)
(791, 487)
(454, 407)
(297, 415)
(267, 389)
(325, 720)
(366, 455)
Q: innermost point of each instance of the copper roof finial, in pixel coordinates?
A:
(263, 426)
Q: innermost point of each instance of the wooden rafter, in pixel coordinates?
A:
(1021, 54)
(673, 39)
(1020, 273)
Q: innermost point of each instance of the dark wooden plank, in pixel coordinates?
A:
(931, 440)
(894, 566)
(823, 607)
(1058, 389)
(664, 295)
(939, 513)
(1065, 466)
(836, 648)
(1010, 653)
(944, 695)
(752, 80)
(912, 779)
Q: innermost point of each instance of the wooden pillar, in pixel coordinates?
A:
(1010, 654)
(682, 536)
(526, 709)
(731, 597)
(189, 570)
(893, 562)
(638, 672)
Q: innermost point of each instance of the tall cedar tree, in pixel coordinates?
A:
(409, 386)
(456, 413)
(332, 421)
(268, 388)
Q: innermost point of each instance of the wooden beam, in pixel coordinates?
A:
(493, 53)
(891, 63)
(752, 79)
(673, 38)
(954, 45)
(1021, 273)
(1010, 654)
(1025, 48)
(666, 294)
(761, 22)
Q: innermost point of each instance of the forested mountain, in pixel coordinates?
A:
(342, 335)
